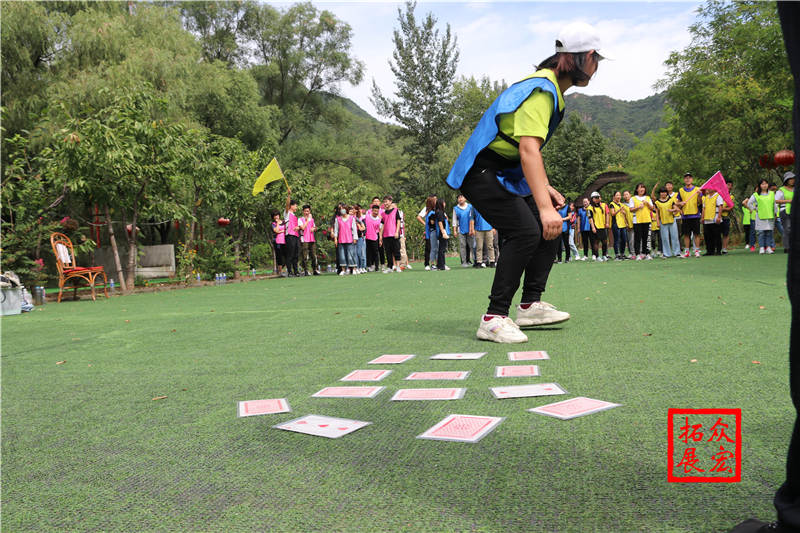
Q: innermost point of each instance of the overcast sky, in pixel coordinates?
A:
(503, 40)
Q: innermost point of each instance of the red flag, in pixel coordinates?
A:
(717, 183)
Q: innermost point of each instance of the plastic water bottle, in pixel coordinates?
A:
(254, 272)
(224, 277)
(111, 285)
(216, 278)
(198, 276)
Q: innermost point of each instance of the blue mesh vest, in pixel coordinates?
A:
(512, 179)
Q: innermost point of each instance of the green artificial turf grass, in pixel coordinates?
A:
(86, 448)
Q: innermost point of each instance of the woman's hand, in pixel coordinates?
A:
(556, 197)
(551, 223)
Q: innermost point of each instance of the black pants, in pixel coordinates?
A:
(600, 242)
(381, 256)
(713, 235)
(746, 228)
(427, 252)
(373, 254)
(523, 251)
(280, 254)
(787, 499)
(392, 248)
(655, 240)
(586, 238)
(440, 255)
(640, 238)
(564, 244)
(292, 253)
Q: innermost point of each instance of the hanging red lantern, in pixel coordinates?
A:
(764, 160)
(223, 221)
(784, 158)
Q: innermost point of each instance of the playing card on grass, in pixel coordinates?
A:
(473, 355)
(573, 408)
(528, 356)
(439, 375)
(263, 407)
(429, 394)
(462, 428)
(348, 392)
(366, 375)
(516, 371)
(322, 426)
(525, 391)
(390, 359)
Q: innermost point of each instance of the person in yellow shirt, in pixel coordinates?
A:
(599, 219)
(725, 211)
(665, 213)
(712, 221)
(689, 202)
(619, 225)
(641, 207)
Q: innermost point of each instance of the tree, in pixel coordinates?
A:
(576, 154)
(424, 66)
(731, 89)
(220, 27)
(300, 52)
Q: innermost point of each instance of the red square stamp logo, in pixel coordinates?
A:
(704, 445)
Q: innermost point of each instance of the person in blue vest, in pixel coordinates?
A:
(484, 238)
(501, 172)
(462, 217)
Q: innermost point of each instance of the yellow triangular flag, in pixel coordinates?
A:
(270, 174)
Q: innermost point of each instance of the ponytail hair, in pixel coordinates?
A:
(569, 64)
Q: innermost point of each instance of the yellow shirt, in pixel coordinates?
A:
(621, 218)
(599, 215)
(692, 199)
(664, 213)
(531, 119)
(710, 206)
(641, 210)
(724, 207)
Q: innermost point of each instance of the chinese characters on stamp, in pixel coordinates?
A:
(704, 445)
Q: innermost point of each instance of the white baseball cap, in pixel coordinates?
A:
(578, 37)
(595, 194)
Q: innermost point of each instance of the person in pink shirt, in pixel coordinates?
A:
(345, 232)
(278, 240)
(292, 236)
(391, 234)
(308, 242)
(372, 223)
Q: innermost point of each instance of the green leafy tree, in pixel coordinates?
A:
(731, 89)
(300, 53)
(576, 154)
(424, 65)
(220, 27)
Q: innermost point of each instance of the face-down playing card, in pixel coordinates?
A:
(391, 359)
(537, 355)
(429, 394)
(348, 392)
(462, 428)
(322, 426)
(573, 408)
(516, 371)
(366, 375)
(263, 407)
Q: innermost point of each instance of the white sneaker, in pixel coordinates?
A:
(594, 258)
(500, 329)
(746, 246)
(446, 267)
(761, 250)
(408, 266)
(343, 273)
(697, 253)
(465, 265)
(770, 250)
(540, 314)
(387, 271)
(427, 267)
(639, 257)
(648, 257)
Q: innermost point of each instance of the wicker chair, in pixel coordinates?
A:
(67, 270)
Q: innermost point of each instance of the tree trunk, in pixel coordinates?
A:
(132, 249)
(122, 285)
(237, 248)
